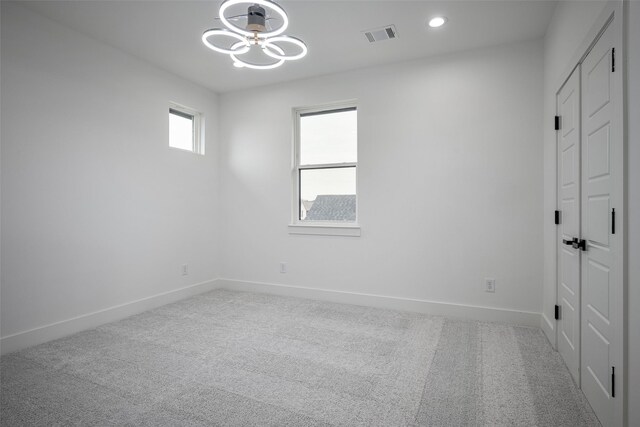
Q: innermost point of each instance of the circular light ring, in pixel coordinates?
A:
(266, 3)
(437, 21)
(268, 46)
(240, 63)
(239, 48)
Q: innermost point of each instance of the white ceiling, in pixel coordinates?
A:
(167, 33)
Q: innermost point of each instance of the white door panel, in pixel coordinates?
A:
(597, 80)
(598, 221)
(597, 200)
(599, 163)
(598, 288)
(568, 107)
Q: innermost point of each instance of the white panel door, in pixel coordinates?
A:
(568, 108)
(599, 198)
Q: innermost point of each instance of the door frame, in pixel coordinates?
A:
(610, 17)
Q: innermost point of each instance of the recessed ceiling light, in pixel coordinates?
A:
(438, 21)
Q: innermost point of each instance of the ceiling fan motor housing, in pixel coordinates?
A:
(256, 17)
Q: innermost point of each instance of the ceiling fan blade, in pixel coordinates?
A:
(233, 18)
(236, 17)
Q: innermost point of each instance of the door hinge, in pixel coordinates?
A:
(613, 381)
(613, 59)
(556, 314)
(613, 221)
(557, 217)
(556, 123)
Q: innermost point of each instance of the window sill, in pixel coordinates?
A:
(351, 230)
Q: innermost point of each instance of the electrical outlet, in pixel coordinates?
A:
(489, 285)
(283, 267)
(184, 269)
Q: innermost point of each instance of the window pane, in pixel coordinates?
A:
(329, 138)
(328, 194)
(180, 132)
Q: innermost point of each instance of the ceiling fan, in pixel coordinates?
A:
(255, 35)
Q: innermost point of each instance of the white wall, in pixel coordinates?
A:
(96, 209)
(632, 39)
(449, 181)
(569, 25)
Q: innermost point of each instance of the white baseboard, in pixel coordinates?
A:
(486, 314)
(41, 334)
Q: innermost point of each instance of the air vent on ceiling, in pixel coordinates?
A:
(383, 33)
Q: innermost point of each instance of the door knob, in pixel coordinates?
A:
(569, 242)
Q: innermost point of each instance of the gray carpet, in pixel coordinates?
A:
(243, 359)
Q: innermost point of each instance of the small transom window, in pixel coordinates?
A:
(184, 129)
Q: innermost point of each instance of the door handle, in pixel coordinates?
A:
(580, 244)
(576, 243)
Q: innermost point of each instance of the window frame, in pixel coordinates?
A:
(197, 123)
(297, 225)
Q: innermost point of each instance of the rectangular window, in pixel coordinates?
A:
(184, 129)
(326, 156)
